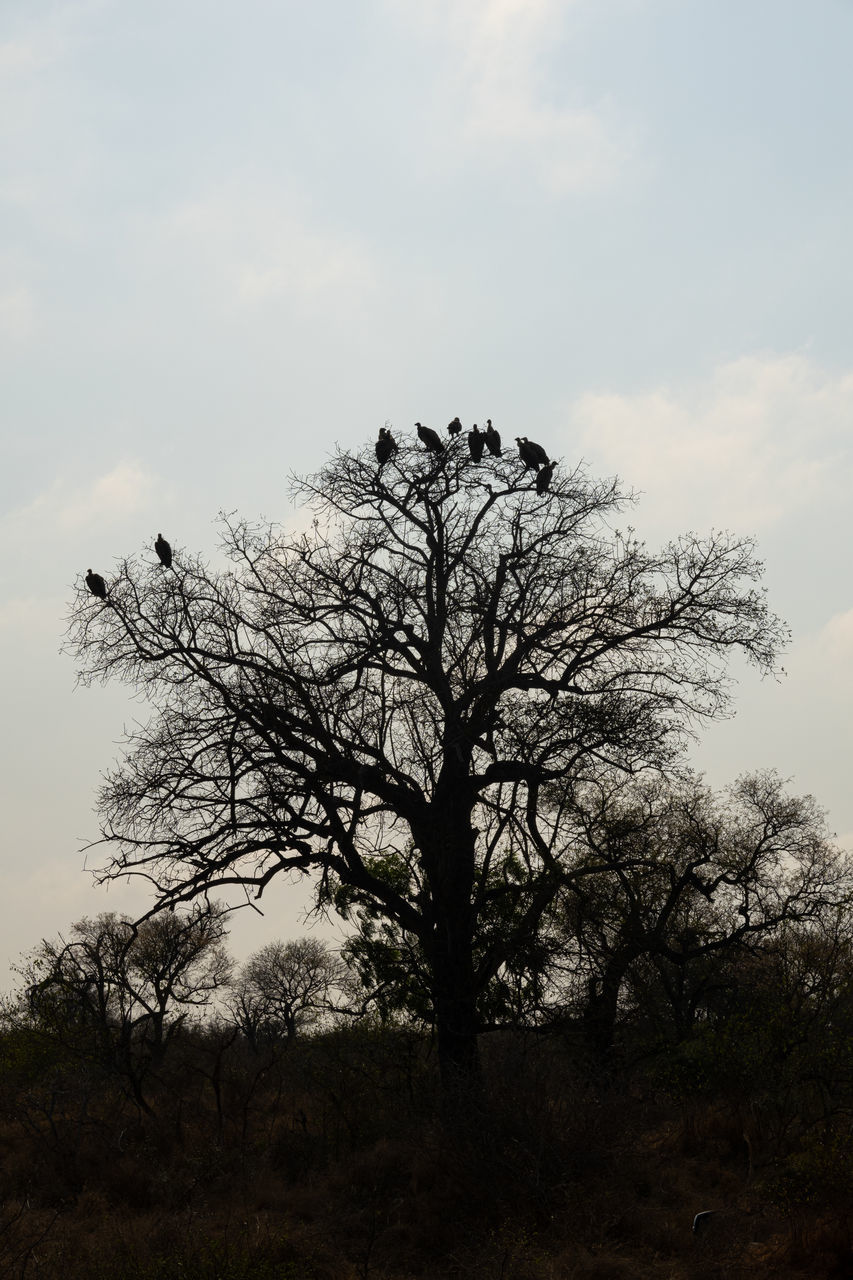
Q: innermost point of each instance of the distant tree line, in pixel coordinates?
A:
(670, 900)
(700, 947)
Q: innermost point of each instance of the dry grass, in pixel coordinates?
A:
(328, 1162)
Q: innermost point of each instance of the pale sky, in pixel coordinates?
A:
(233, 235)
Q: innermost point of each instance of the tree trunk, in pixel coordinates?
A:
(599, 1018)
(456, 1027)
(448, 848)
(451, 957)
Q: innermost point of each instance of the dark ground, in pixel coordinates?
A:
(327, 1160)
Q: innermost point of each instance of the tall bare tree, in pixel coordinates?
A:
(397, 687)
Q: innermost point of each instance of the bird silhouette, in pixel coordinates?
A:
(476, 440)
(454, 427)
(543, 477)
(164, 551)
(386, 445)
(537, 451)
(493, 439)
(96, 584)
(430, 438)
(532, 455)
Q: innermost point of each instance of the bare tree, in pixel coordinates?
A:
(121, 992)
(285, 987)
(682, 879)
(396, 687)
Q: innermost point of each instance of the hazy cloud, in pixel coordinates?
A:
(47, 34)
(22, 56)
(760, 438)
(837, 636)
(496, 97)
(17, 314)
(26, 614)
(107, 499)
(20, 191)
(260, 248)
(827, 656)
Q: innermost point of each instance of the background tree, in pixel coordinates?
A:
(673, 881)
(119, 993)
(399, 685)
(285, 987)
(667, 887)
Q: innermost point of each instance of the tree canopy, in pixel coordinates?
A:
(118, 992)
(403, 697)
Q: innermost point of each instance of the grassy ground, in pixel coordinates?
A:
(327, 1161)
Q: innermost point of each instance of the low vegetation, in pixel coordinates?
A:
(583, 998)
(325, 1151)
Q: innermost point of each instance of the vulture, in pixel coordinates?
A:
(493, 439)
(532, 455)
(543, 477)
(96, 584)
(164, 551)
(454, 427)
(536, 451)
(430, 438)
(476, 440)
(386, 445)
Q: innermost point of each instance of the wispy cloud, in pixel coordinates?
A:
(21, 57)
(107, 499)
(47, 34)
(837, 636)
(119, 493)
(260, 248)
(761, 437)
(28, 616)
(60, 532)
(17, 314)
(496, 97)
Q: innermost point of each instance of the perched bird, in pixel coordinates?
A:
(493, 439)
(526, 456)
(454, 427)
(536, 451)
(164, 551)
(430, 438)
(543, 477)
(476, 440)
(386, 445)
(96, 584)
(532, 455)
